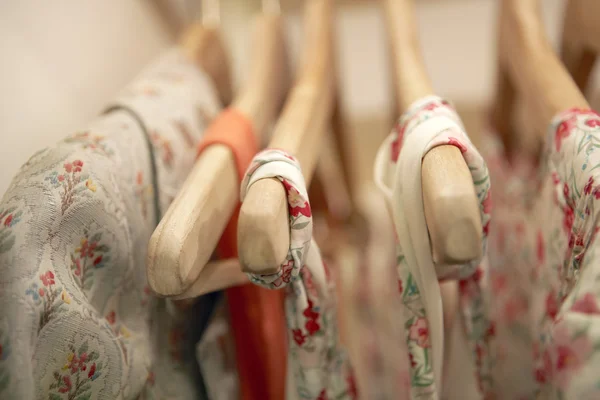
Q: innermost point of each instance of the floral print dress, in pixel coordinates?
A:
(317, 361)
(431, 122)
(77, 319)
(543, 274)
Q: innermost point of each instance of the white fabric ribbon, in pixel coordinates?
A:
(428, 123)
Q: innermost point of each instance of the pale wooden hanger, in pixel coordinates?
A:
(451, 206)
(529, 68)
(184, 240)
(263, 225)
(203, 43)
(581, 39)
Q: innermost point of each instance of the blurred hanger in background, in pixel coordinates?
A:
(203, 43)
(185, 239)
(581, 40)
(530, 69)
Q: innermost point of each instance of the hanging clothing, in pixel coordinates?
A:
(256, 314)
(78, 318)
(365, 269)
(428, 123)
(543, 270)
(318, 363)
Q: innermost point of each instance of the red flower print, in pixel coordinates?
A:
(419, 332)
(412, 361)
(286, 272)
(139, 178)
(61, 178)
(454, 142)
(322, 395)
(299, 337)
(8, 220)
(596, 193)
(551, 305)
(586, 305)
(111, 317)
(66, 384)
(68, 167)
(352, 390)
(397, 143)
(308, 312)
(42, 292)
(400, 288)
(312, 326)
(491, 330)
(587, 189)
(487, 203)
(92, 370)
(297, 204)
(568, 219)
(98, 260)
(47, 278)
(395, 149)
(566, 357)
(593, 123)
(555, 178)
(563, 131)
(566, 192)
(77, 165)
(543, 374)
(431, 106)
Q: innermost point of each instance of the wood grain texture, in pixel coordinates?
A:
(183, 242)
(263, 231)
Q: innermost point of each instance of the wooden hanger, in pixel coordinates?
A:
(263, 226)
(184, 240)
(203, 43)
(581, 39)
(529, 68)
(451, 206)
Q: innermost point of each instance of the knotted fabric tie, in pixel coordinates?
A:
(430, 122)
(319, 365)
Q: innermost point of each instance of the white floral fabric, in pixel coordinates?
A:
(319, 365)
(543, 288)
(428, 123)
(77, 319)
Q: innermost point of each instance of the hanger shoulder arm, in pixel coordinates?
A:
(204, 46)
(538, 74)
(183, 241)
(451, 207)
(266, 86)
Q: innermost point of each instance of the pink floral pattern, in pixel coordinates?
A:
(319, 364)
(542, 289)
(475, 316)
(76, 318)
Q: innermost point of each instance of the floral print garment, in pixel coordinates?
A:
(428, 123)
(319, 364)
(543, 288)
(365, 270)
(77, 319)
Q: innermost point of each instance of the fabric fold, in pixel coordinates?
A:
(319, 364)
(428, 123)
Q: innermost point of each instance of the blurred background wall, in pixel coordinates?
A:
(61, 61)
